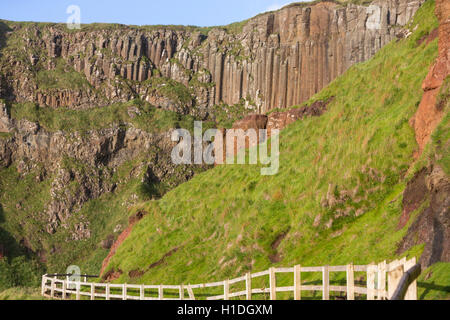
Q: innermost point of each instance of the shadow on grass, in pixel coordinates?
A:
(432, 287)
(4, 28)
(9, 247)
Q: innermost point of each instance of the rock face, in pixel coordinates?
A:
(86, 162)
(275, 120)
(278, 59)
(432, 226)
(429, 114)
(279, 120)
(5, 120)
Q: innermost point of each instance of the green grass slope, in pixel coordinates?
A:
(23, 198)
(226, 221)
(19, 293)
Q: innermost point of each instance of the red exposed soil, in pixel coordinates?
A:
(132, 221)
(428, 115)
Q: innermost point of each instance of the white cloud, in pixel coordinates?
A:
(277, 5)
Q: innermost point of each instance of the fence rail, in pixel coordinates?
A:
(383, 281)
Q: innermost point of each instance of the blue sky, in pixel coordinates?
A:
(140, 12)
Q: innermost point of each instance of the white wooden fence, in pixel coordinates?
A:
(381, 282)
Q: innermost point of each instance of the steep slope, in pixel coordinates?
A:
(86, 114)
(67, 179)
(337, 198)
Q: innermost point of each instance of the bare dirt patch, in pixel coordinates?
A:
(132, 221)
(276, 256)
(112, 275)
(428, 38)
(161, 261)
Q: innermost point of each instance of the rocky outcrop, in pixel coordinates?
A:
(278, 59)
(253, 121)
(275, 120)
(431, 184)
(5, 120)
(279, 120)
(432, 226)
(81, 165)
(429, 114)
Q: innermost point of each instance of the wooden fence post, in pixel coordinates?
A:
(297, 282)
(226, 290)
(405, 282)
(124, 291)
(350, 282)
(371, 281)
(411, 293)
(107, 291)
(92, 291)
(141, 292)
(52, 288)
(78, 287)
(273, 284)
(64, 293)
(182, 292)
(160, 292)
(382, 281)
(394, 277)
(43, 284)
(326, 283)
(248, 286)
(190, 292)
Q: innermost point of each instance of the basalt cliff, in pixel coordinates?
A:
(275, 60)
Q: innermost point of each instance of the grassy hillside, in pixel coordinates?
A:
(227, 221)
(23, 197)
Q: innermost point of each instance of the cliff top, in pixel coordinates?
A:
(234, 27)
